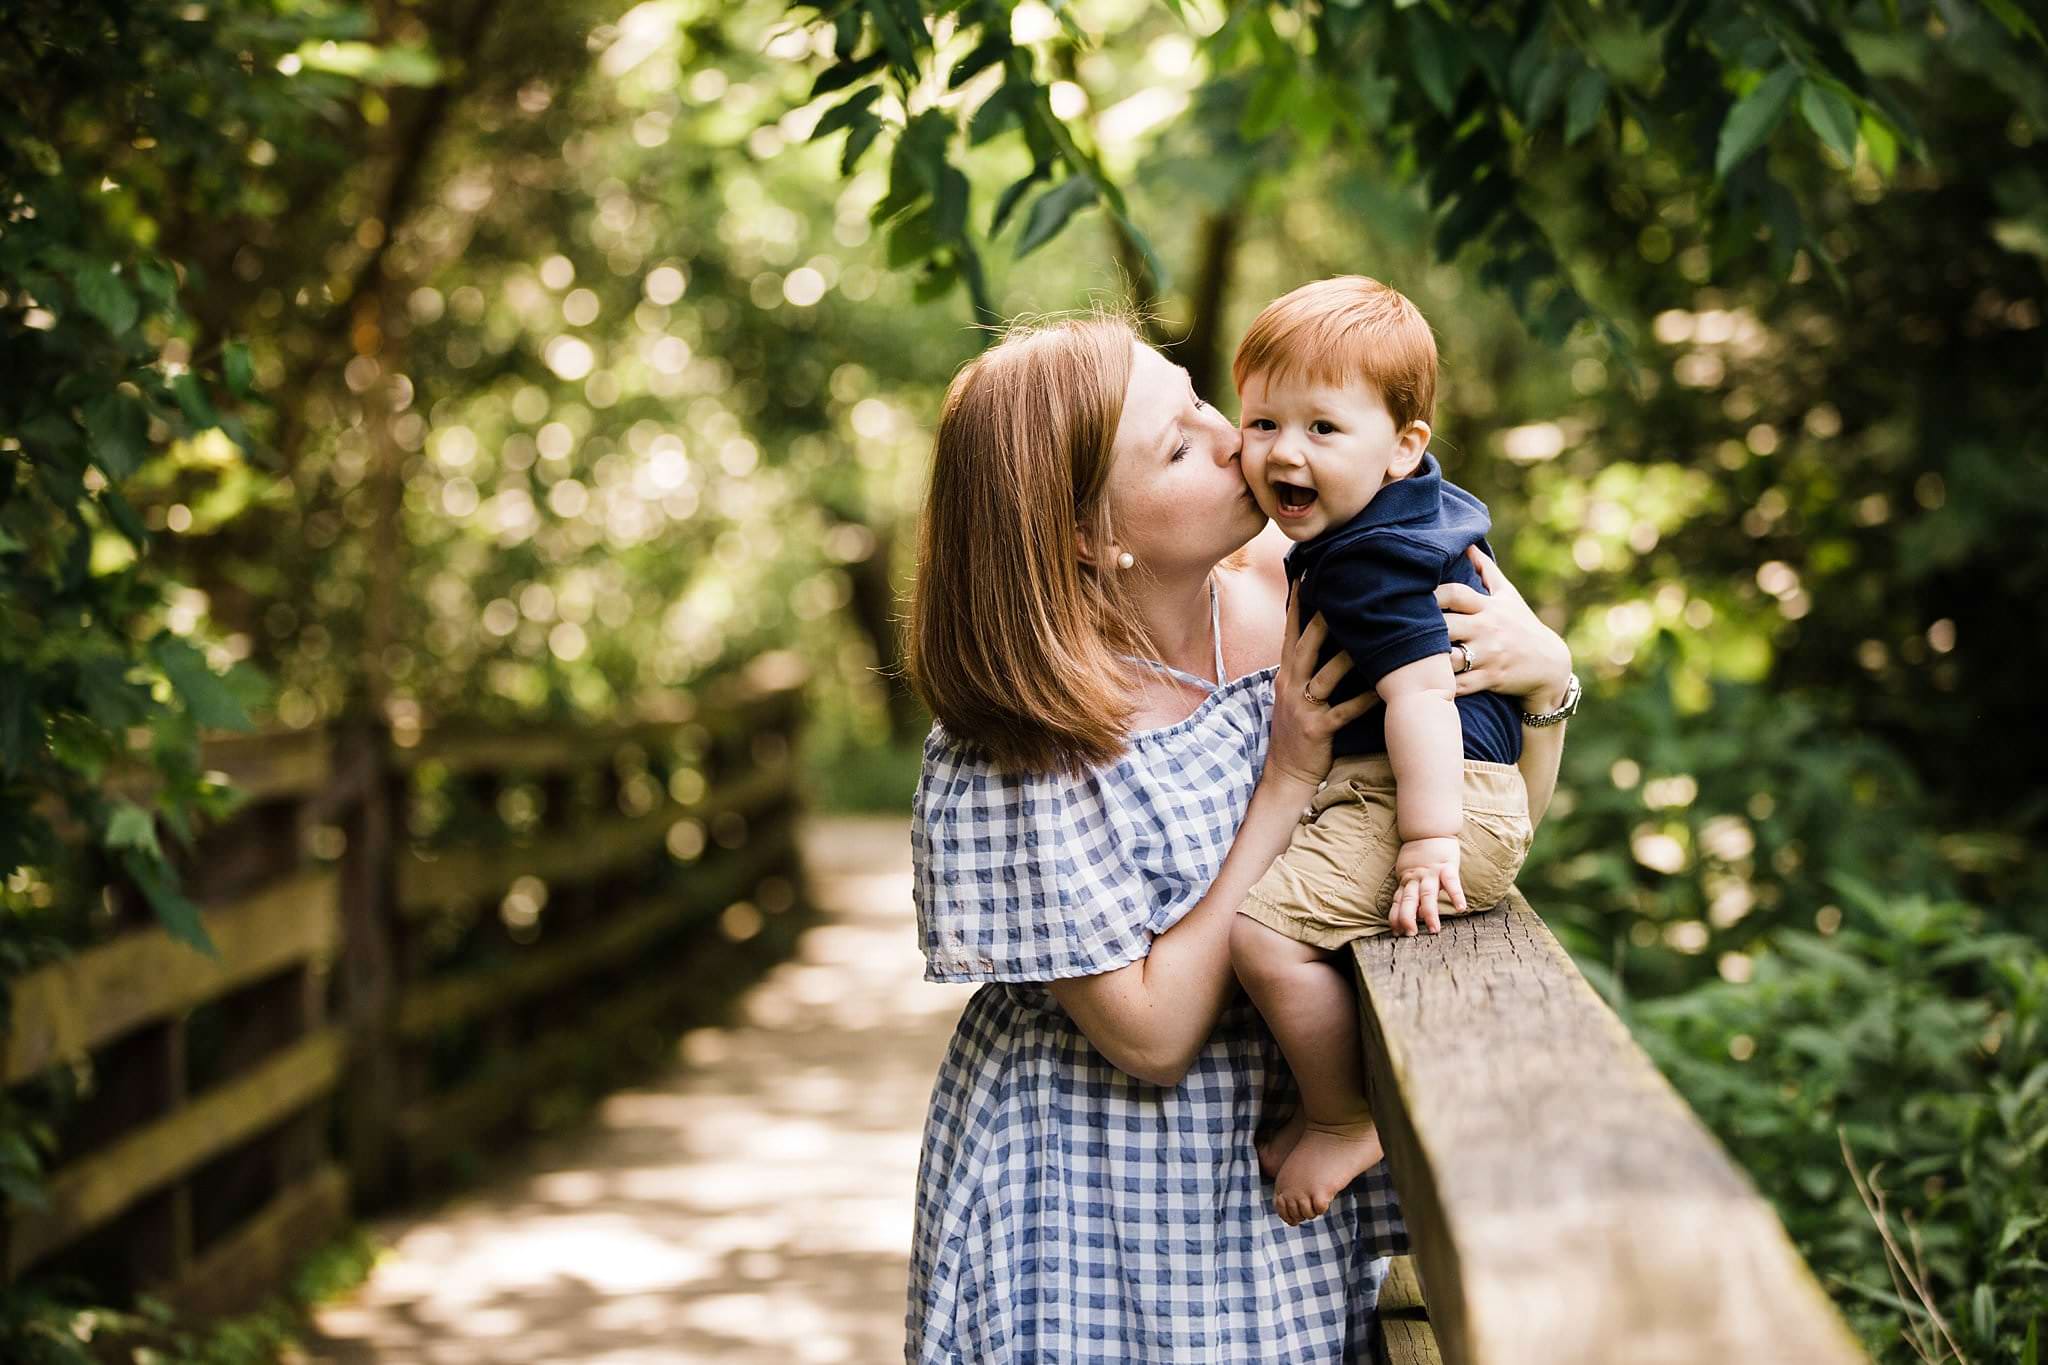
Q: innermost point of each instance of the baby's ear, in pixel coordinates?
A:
(1408, 450)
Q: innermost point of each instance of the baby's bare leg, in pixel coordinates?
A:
(1309, 1006)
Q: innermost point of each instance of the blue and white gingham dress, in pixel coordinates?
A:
(1065, 1211)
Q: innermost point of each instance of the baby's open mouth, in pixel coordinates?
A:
(1293, 497)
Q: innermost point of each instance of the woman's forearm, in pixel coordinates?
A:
(1543, 748)
(1152, 1017)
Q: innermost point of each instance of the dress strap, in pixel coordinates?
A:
(1216, 640)
(1216, 628)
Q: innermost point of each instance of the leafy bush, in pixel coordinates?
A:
(1913, 1038)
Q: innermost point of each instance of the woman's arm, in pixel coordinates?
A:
(1152, 1017)
(1517, 656)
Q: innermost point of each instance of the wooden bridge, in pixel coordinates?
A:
(395, 989)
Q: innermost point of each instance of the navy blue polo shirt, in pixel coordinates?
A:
(1374, 579)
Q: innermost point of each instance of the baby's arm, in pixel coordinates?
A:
(1426, 742)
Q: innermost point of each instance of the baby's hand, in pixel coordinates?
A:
(1425, 866)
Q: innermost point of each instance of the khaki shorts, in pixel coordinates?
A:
(1336, 881)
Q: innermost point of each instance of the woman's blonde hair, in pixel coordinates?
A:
(1015, 644)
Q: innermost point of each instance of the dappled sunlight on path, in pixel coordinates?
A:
(751, 1206)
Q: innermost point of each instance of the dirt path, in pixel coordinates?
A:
(751, 1206)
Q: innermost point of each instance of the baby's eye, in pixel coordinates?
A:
(1260, 424)
(1322, 428)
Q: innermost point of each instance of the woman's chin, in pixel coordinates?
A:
(1246, 529)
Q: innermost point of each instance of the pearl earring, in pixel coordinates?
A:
(1125, 560)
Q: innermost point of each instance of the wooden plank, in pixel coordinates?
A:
(68, 1008)
(463, 875)
(438, 1003)
(429, 1131)
(464, 749)
(554, 749)
(1564, 1203)
(264, 765)
(1401, 1292)
(1406, 1338)
(273, 764)
(432, 1129)
(87, 1193)
(1408, 1341)
(366, 974)
(236, 1272)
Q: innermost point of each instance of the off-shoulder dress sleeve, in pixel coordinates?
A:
(1026, 878)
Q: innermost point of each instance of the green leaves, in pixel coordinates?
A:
(193, 402)
(237, 370)
(992, 49)
(1050, 212)
(129, 826)
(1439, 59)
(856, 116)
(847, 113)
(1831, 115)
(1582, 107)
(1013, 196)
(2016, 20)
(179, 916)
(102, 295)
(1754, 117)
(207, 698)
(119, 433)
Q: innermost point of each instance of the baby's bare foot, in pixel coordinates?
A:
(1328, 1157)
(1276, 1145)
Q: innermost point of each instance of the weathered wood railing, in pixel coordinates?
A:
(658, 830)
(1564, 1204)
(388, 998)
(198, 1150)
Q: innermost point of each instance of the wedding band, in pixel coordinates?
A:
(1311, 698)
(1471, 659)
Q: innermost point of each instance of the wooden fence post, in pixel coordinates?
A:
(371, 795)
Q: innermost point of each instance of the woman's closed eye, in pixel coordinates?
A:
(1180, 454)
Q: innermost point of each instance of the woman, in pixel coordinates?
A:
(1129, 725)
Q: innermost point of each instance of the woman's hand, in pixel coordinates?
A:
(1304, 722)
(1515, 654)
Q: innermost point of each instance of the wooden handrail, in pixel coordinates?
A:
(1564, 1204)
(427, 884)
(87, 1193)
(149, 1148)
(532, 749)
(65, 1009)
(460, 996)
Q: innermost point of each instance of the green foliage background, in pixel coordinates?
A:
(416, 362)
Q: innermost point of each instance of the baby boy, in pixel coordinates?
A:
(1424, 809)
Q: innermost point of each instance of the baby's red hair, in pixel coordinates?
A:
(1341, 331)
